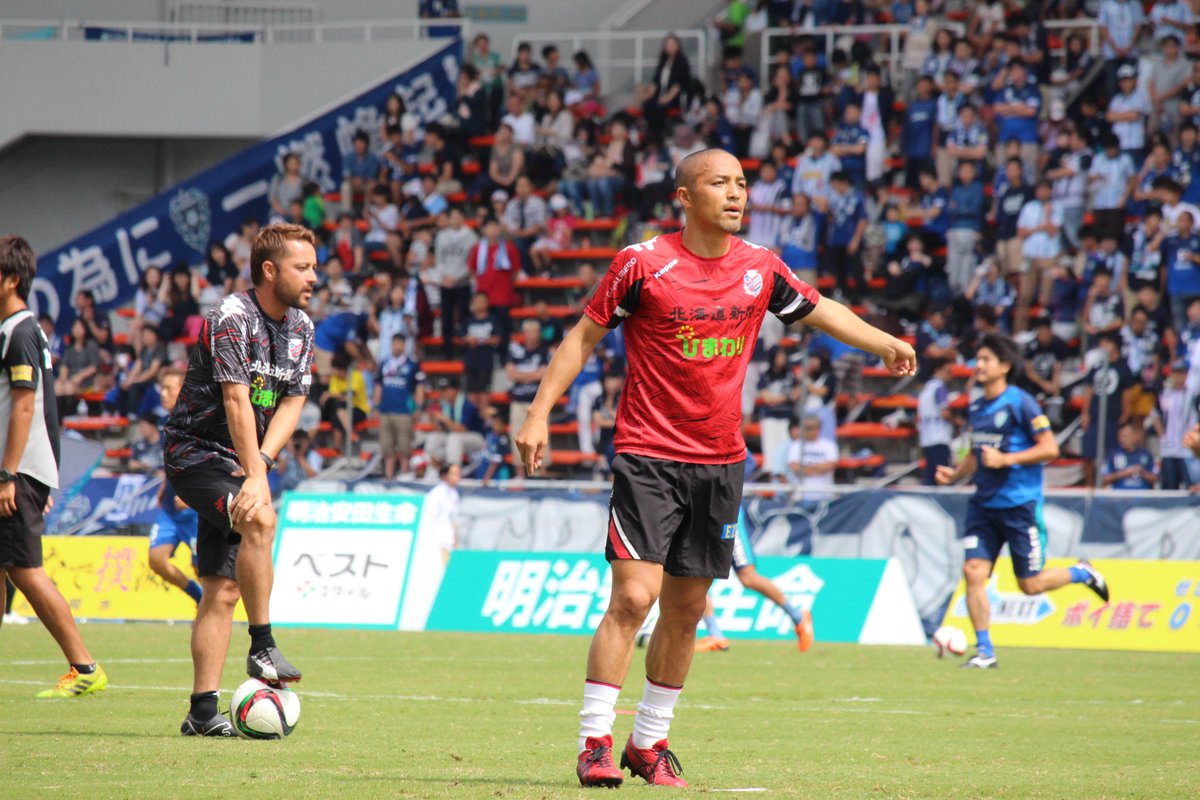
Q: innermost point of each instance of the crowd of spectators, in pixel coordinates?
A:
(993, 175)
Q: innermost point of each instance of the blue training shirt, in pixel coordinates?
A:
(1010, 423)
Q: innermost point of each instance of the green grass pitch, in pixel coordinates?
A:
(401, 715)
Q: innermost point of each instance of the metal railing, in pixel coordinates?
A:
(207, 32)
(622, 58)
(891, 56)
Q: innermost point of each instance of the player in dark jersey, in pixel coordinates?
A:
(1010, 441)
(29, 466)
(246, 384)
(692, 303)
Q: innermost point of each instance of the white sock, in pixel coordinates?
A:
(654, 714)
(599, 711)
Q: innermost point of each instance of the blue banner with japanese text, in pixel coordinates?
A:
(178, 224)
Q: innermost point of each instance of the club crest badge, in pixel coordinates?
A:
(752, 283)
(192, 218)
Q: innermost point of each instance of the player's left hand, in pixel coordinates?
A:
(901, 359)
(1191, 439)
(8, 498)
(992, 458)
(255, 494)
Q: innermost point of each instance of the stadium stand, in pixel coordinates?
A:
(954, 175)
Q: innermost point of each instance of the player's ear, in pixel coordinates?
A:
(268, 270)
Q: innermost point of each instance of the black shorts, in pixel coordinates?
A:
(21, 534)
(683, 516)
(209, 488)
(478, 380)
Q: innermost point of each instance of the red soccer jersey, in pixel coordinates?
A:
(690, 328)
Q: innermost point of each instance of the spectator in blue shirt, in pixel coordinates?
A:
(965, 209)
(850, 145)
(458, 429)
(917, 136)
(1130, 466)
(1182, 254)
(932, 209)
(934, 342)
(1017, 107)
(843, 243)
(344, 331)
(398, 393)
(904, 294)
(1186, 160)
(800, 238)
(360, 170)
(990, 289)
(1008, 204)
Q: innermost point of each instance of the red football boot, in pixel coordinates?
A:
(595, 767)
(658, 765)
(804, 631)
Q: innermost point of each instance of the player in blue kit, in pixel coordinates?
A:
(749, 576)
(1010, 441)
(175, 524)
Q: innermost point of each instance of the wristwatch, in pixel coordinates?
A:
(270, 462)
(6, 476)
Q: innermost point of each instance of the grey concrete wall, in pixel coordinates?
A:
(152, 89)
(55, 188)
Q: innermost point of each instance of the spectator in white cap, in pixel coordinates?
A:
(557, 236)
(1127, 113)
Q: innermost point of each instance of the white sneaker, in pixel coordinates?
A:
(14, 619)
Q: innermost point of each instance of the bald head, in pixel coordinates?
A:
(689, 170)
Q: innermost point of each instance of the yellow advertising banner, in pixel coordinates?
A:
(109, 577)
(1154, 605)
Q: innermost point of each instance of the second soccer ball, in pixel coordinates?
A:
(949, 640)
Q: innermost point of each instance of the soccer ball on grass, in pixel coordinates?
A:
(260, 711)
(949, 640)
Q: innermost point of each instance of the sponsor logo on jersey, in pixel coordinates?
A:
(693, 347)
(621, 275)
(271, 370)
(979, 439)
(752, 283)
(667, 268)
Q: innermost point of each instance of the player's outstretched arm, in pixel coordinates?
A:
(283, 424)
(565, 366)
(841, 323)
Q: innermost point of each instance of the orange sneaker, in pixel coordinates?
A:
(658, 765)
(595, 767)
(712, 644)
(804, 631)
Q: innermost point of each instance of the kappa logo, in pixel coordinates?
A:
(669, 266)
(752, 283)
(192, 218)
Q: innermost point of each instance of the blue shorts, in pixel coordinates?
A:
(743, 555)
(175, 530)
(1022, 527)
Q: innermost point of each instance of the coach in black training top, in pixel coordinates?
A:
(245, 387)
